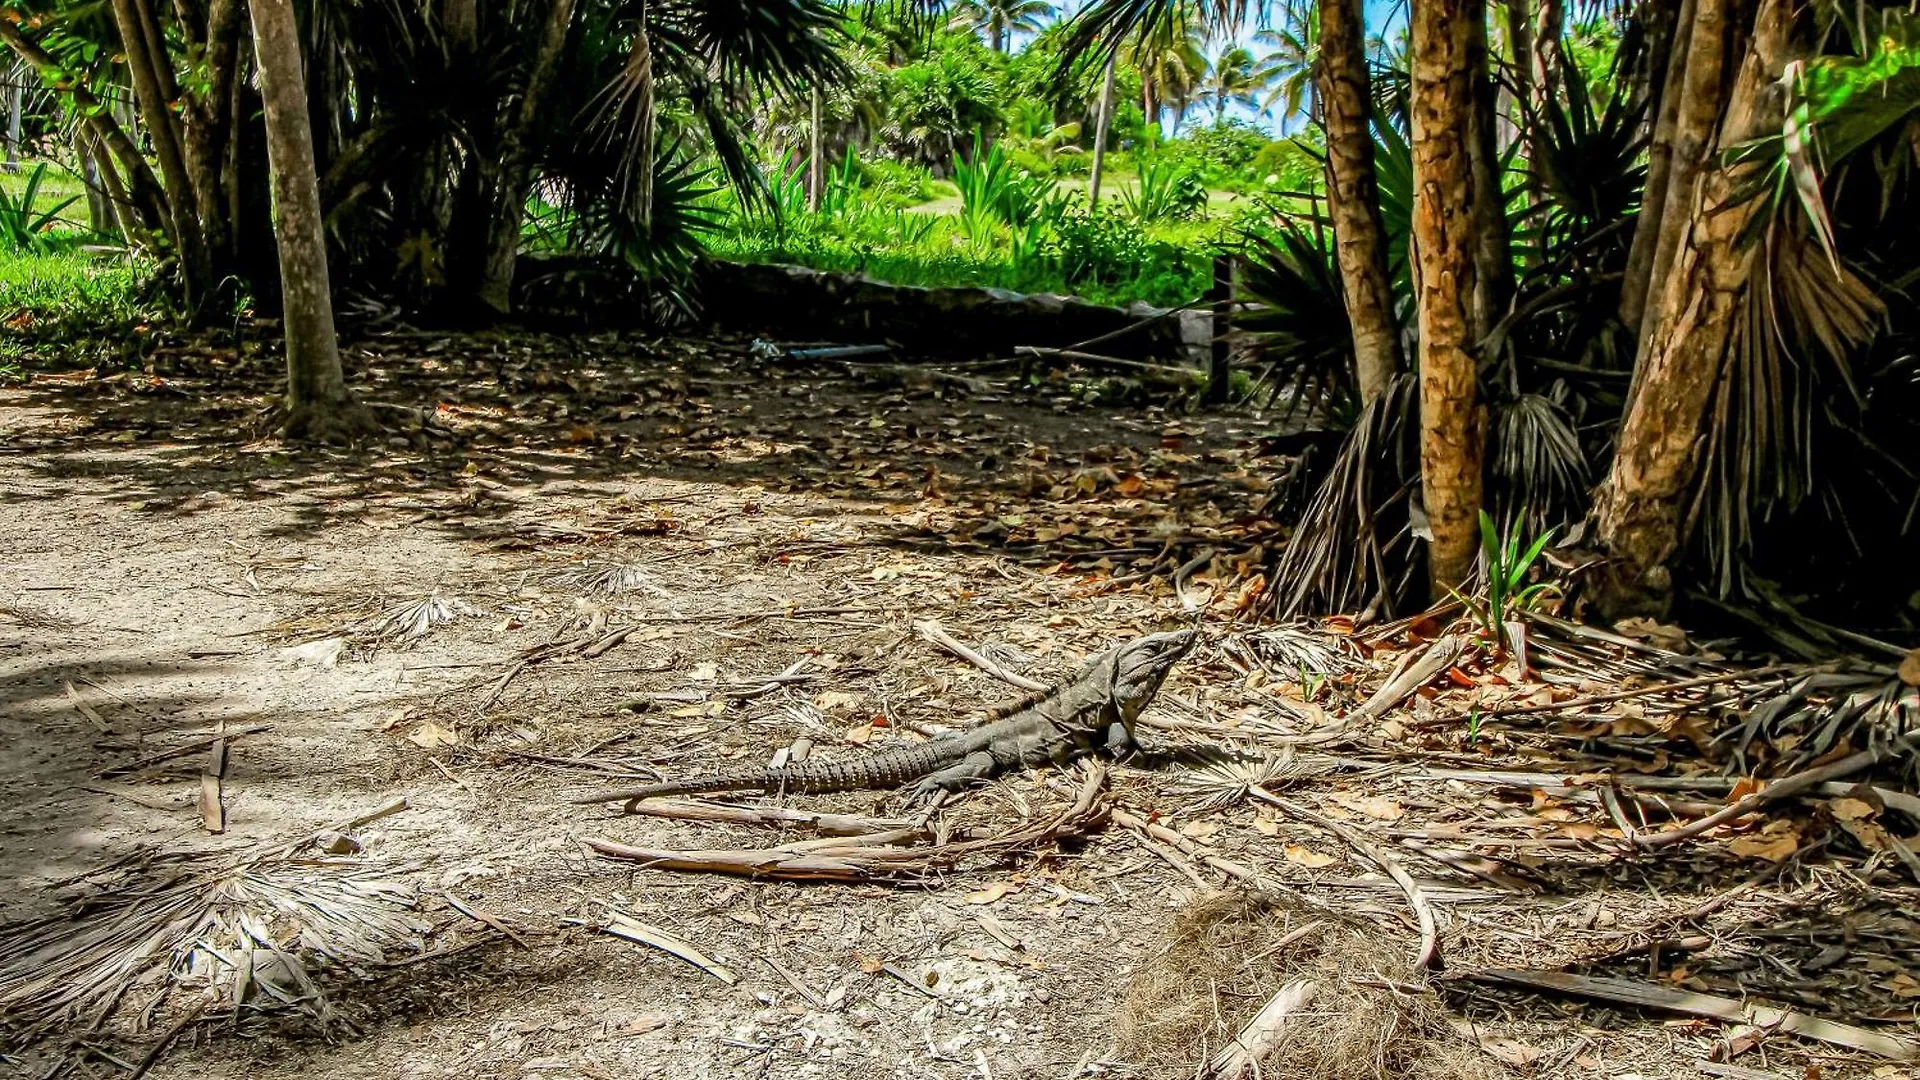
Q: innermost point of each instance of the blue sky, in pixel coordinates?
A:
(1384, 17)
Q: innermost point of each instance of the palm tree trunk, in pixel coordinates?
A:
(1353, 198)
(516, 164)
(1703, 93)
(1640, 506)
(1452, 421)
(1638, 278)
(318, 406)
(1100, 121)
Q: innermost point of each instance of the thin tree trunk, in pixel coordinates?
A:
(1101, 119)
(1640, 507)
(147, 198)
(516, 164)
(1672, 74)
(640, 65)
(318, 406)
(16, 103)
(151, 86)
(1452, 421)
(99, 203)
(1353, 196)
(816, 185)
(209, 126)
(1546, 60)
(1518, 34)
(1702, 95)
(1492, 249)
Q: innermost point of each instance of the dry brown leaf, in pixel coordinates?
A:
(830, 701)
(431, 736)
(1910, 668)
(1266, 826)
(1904, 985)
(858, 734)
(992, 894)
(1307, 857)
(1199, 830)
(1377, 807)
(1774, 845)
(1849, 809)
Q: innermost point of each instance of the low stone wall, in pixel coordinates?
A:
(796, 303)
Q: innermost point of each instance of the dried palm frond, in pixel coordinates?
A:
(1353, 547)
(1225, 781)
(1868, 707)
(1303, 647)
(412, 620)
(246, 933)
(607, 580)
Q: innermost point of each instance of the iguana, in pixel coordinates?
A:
(1094, 709)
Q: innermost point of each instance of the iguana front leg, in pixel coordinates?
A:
(974, 767)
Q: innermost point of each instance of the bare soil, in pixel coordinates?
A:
(168, 575)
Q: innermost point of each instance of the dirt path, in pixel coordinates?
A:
(167, 581)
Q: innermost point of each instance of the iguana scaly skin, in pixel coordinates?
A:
(1096, 708)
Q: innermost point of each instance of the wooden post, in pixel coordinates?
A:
(816, 168)
(1220, 371)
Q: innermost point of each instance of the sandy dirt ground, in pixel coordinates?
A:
(583, 561)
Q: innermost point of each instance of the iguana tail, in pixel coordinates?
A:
(756, 780)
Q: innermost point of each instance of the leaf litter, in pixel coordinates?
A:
(818, 519)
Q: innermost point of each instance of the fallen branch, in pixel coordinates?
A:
(1412, 672)
(1792, 785)
(181, 751)
(1429, 958)
(1263, 1034)
(1664, 999)
(932, 632)
(829, 824)
(621, 925)
(867, 858)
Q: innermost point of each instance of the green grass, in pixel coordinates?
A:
(50, 301)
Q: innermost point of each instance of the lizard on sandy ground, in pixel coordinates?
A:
(1094, 709)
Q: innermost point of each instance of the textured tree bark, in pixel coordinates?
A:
(209, 125)
(1100, 121)
(1492, 250)
(1669, 70)
(1452, 422)
(1353, 201)
(1640, 506)
(516, 163)
(1703, 94)
(318, 406)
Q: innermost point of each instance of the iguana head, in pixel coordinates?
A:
(1142, 664)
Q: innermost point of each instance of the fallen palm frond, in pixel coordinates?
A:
(238, 933)
(1225, 782)
(1353, 548)
(879, 857)
(413, 620)
(607, 580)
(1303, 647)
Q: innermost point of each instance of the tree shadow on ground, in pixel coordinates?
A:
(1034, 470)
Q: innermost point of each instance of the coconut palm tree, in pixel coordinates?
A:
(999, 20)
(1292, 51)
(1235, 78)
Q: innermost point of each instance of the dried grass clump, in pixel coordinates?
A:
(1224, 959)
